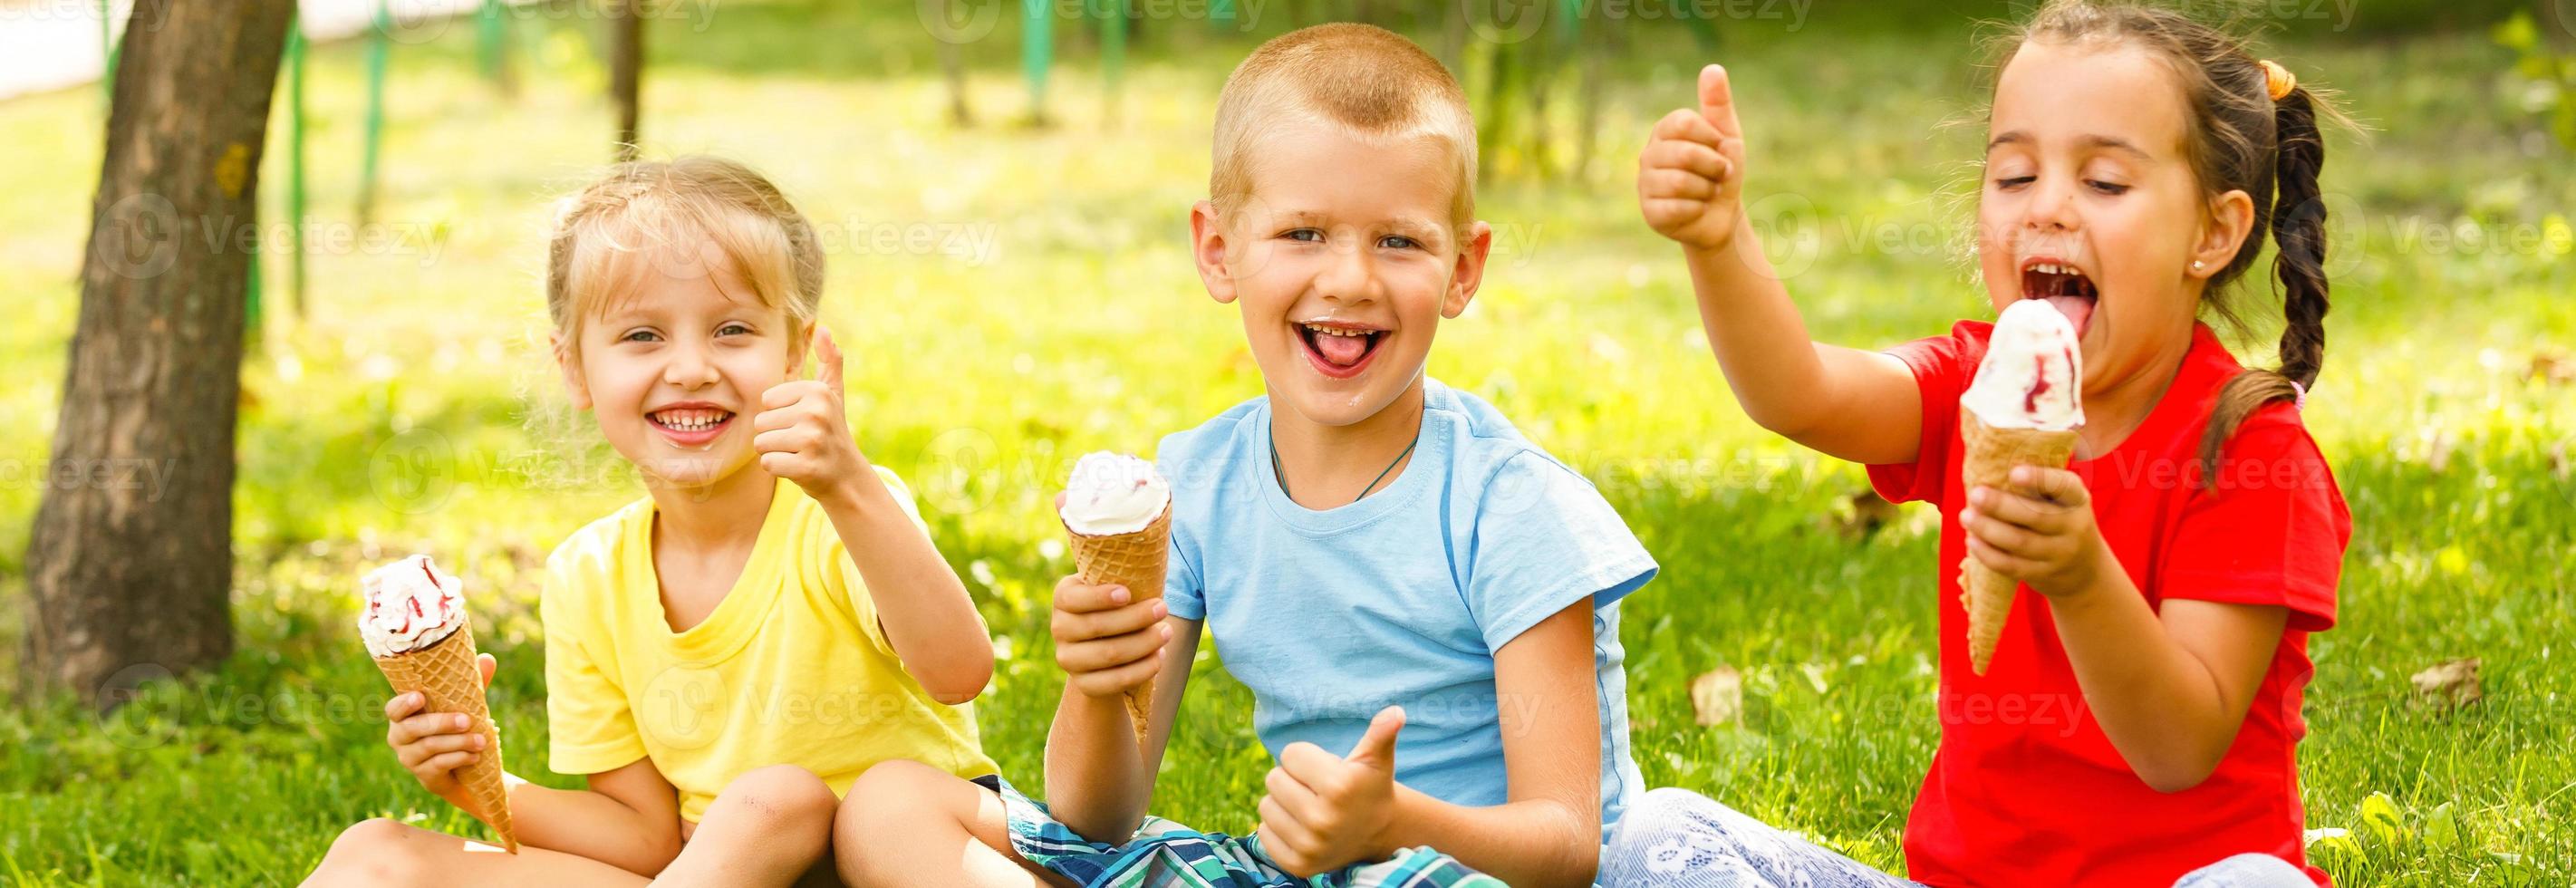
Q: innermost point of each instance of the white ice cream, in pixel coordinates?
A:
(2033, 373)
(411, 604)
(1113, 493)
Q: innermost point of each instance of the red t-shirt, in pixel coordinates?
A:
(2025, 788)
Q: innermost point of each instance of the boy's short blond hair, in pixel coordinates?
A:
(1366, 80)
(680, 217)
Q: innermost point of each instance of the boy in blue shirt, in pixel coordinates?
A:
(1423, 602)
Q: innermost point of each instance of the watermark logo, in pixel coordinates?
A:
(149, 224)
(969, 21)
(960, 470)
(953, 21)
(413, 472)
(683, 707)
(135, 705)
(1788, 227)
(1514, 21)
(1504, 21)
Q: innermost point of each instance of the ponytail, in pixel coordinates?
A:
(2299, 231)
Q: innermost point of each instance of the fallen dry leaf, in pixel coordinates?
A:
(1717, 696)
(2553, 368)
(2451, 683)
(1869, 512)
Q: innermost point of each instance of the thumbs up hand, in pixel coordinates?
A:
(1325, 812)
(1690, 178)
(803, 435)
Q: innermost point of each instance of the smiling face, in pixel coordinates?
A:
(1344, 261)
(674, 367)
(2090, 202)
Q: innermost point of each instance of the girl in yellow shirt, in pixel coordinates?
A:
(725, 656)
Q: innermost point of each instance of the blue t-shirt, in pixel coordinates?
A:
(1403, 597)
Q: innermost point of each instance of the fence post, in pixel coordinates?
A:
(1037, 53)
(107, 51)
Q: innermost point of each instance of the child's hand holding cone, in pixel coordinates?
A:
(2038, 529)
(1108, 643)
(434, 746)
(1117, 511)
(2018, 424)
(414, 625)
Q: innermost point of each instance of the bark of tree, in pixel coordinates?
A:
(129, 571)
(626, 74)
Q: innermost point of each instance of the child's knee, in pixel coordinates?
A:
(784, 796)
(891, 807)
(895, 778)
(376, 851)
(889, 792)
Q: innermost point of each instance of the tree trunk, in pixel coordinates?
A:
(1453, 38)
(1496, 119)
(129, 572)
(1596, 47)
(626, 73)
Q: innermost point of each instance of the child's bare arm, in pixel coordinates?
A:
(2170, 689)
(1549, 832)
(1325, 811)
(1855, 405)
(804, 436)
(767, 826)
(629, 817)
(921, 605)
(1098, 783)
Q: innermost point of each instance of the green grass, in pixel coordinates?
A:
(414, 409)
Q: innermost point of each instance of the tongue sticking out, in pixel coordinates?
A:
(2077, 309)
(1342, 351)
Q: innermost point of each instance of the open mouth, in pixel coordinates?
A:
(1339, 350)
(2064, 286)
(690, 425)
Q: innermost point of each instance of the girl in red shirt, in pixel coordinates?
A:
(2139, 722)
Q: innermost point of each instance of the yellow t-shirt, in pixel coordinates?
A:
(791, 668)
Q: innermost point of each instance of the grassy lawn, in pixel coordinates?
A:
(412, 408)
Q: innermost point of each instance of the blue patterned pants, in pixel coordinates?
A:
(1674, 838)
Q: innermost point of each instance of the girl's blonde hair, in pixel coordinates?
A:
(2240, 136)
(680, 217)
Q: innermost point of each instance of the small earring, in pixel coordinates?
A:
(2195, 265)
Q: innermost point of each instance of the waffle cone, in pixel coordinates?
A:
(1991, 454)
(445, 675)
(1136, 561)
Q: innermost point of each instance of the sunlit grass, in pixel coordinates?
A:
(414, 408)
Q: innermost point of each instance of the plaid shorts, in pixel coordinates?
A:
(1164, 854)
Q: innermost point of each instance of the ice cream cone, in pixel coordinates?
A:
(1992, 453)
(1134, 560)
(446, 675)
